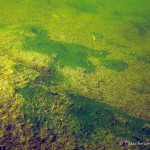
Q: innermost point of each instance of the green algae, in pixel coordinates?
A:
(84, 7)
(97, 36)
(2, 26)
(144, 87)
(116, 44)
(43, 80)
(81, 120)
(77, 117)
(18, 68)
(116, 65)
(38, 103)
(88, 120)
(68, 54)
(141, 30)
(145, 59)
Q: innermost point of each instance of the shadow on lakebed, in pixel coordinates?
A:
(92, 115)
(68, 54)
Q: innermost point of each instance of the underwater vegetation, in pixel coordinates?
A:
(145, 59)
(141, 30)
(67, 54)
(71, 55)
(116, 65)
(2, 26)
(84, 7)
(80, 120)
(74, 74)
(104, 116)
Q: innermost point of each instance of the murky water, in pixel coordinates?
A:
(74, 74)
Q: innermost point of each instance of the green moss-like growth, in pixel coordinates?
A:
(71, 55)
(84, 7)
(2, 26)
(80, 119)
(116, 65)
(144, 87)
(18, 68)
(36, 111)
(43, 80)
(97, 36)
(140, 28)
(116, 44)
(145, 59)
(88, 116)
(38, 102)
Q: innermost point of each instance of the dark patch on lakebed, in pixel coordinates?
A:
(85, 7)
(88, 120)
(83, 117)
(140, 28)
(72, 55)
(68, 54)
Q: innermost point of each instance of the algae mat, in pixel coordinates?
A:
(74, 74)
